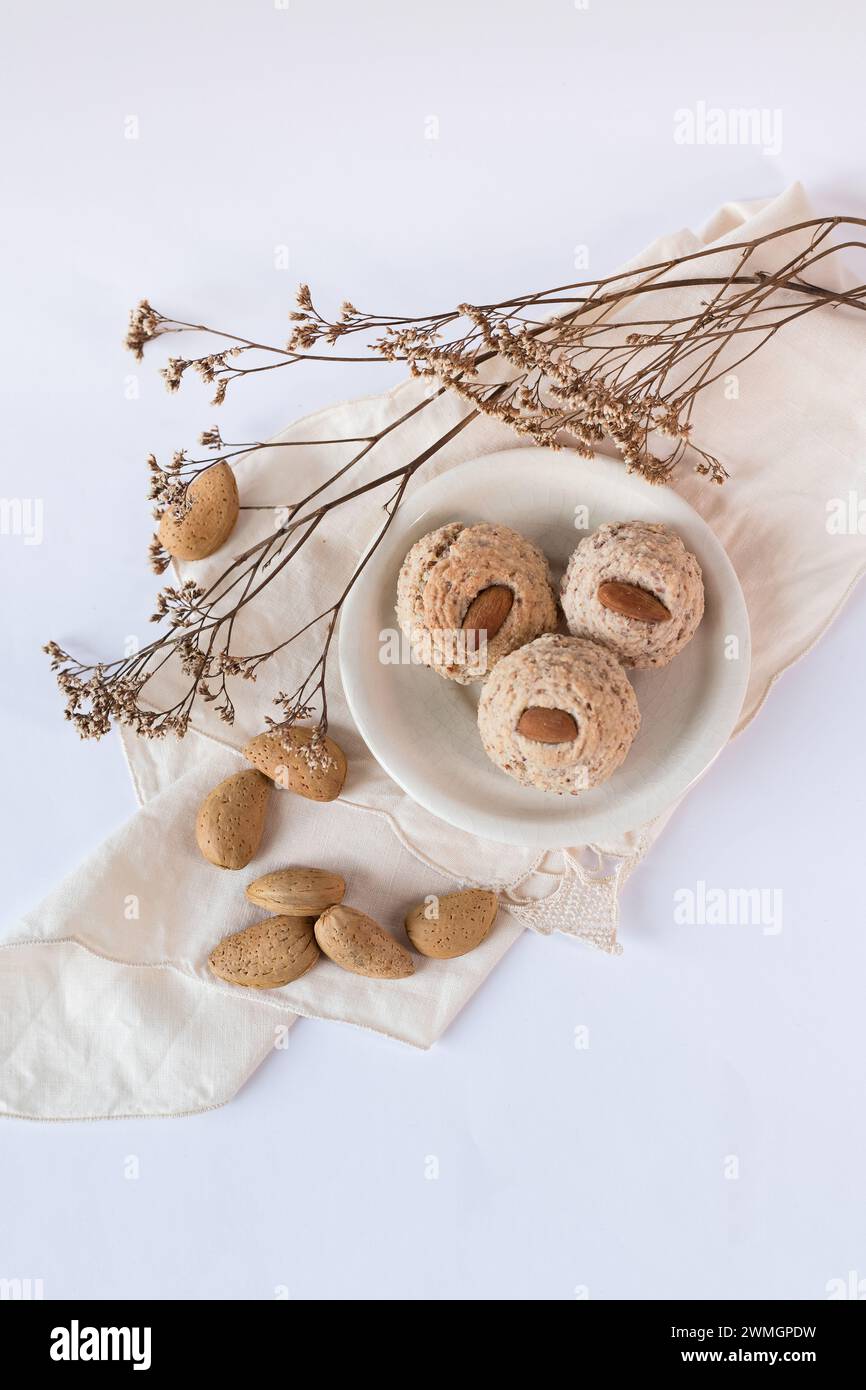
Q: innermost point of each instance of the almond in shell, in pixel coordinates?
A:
(297, 892)
(357, 943)
(231, 819)
(293, 758)
(452, 925)
(267, 954)
(210, 519)
(630, 601)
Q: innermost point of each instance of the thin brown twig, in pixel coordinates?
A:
(597, 371)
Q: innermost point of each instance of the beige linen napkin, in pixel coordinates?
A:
(106, 1004)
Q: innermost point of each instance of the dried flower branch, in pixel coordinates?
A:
(576, 365)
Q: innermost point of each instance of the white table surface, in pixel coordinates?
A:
(303, 125)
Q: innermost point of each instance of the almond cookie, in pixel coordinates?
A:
(558, 714)
(633, 586)
(469, 595)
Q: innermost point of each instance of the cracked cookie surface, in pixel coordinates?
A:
(442, 576)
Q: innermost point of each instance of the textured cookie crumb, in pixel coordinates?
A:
(570, 674)
(444, 573)
(651, 557)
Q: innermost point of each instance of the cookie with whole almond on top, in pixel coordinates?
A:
(634, 587)
(559, 714)
(469, 595)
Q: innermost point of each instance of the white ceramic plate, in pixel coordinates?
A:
(422, 729)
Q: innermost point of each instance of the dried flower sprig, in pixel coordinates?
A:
(579, 365)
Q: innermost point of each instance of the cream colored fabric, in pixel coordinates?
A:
(106, 1004)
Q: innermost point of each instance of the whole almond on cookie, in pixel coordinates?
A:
(231, 819)
(294, 758)
(297, 892)
(267, 954)
(632, 602)
(547, 725)
(359, 944)
(488, 611)
(210, 520)
(452, 925)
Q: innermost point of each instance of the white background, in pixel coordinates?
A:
(304, 126)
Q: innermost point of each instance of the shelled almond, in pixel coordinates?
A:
(632, 602)
(488, 611)
(544, 725)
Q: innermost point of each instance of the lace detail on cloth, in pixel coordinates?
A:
(584, 904)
